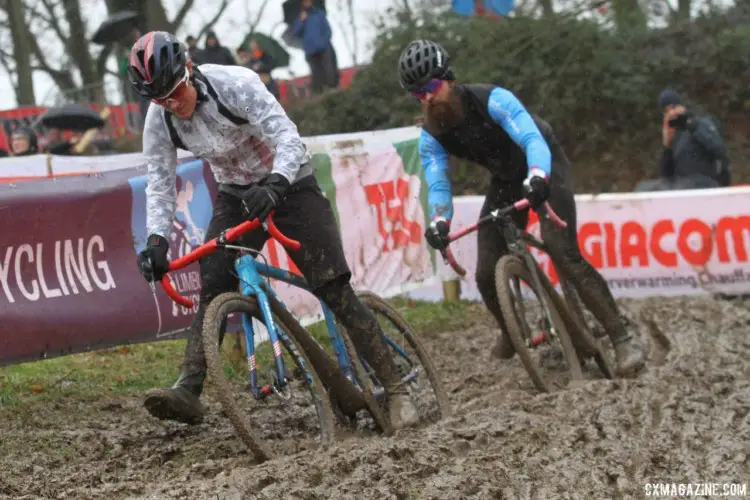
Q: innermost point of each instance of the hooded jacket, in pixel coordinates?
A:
(218, 54)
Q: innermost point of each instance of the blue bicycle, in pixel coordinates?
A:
(339, 389)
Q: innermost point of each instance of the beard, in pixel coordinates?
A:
(444, 115)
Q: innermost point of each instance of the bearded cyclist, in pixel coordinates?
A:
(226, 116)
(488, 125)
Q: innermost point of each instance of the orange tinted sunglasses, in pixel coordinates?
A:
(176, 93)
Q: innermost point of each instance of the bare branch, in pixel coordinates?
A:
(63, 79)
(214, 20)
(180, 17)
(347, 40)
(5, 63)
(355, 35)
(258, 17)
(51, 20)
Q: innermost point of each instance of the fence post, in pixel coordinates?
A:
(452, 290)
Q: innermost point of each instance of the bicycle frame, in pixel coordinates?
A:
(516, 239)
(251, 274)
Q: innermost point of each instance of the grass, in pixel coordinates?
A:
(135, 368)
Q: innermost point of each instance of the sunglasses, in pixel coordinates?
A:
(175, 93)
(430, 87)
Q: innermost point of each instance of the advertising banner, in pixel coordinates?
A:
(68, 245)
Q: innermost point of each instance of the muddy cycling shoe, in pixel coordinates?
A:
(630, 357)
(401, 409)
(503, 347)
(176, 403)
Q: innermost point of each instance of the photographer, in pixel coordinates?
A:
(694, 154)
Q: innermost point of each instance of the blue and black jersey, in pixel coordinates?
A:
(497, 132)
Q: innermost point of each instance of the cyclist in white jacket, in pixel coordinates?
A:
(226, 116)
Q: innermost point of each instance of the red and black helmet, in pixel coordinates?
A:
(157, 63)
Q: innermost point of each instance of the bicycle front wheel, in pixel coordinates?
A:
(296, 410)
(538, 342)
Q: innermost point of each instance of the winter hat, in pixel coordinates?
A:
(668, 97)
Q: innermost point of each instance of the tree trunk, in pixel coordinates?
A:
(683, 10)
(78, 48)
(547, 9)
(21, 54)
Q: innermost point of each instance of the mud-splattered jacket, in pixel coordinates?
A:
(237, 154)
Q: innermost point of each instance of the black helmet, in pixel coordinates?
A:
(422, 61)
(157, 62)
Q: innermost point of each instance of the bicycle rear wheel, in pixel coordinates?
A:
(238, 411)
(510, 272)
(423, 383)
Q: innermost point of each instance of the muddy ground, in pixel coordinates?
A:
(683, 420)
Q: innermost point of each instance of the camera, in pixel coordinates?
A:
(680, 121)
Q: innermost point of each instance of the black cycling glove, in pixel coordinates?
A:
(152, 261)
(263, 197)
(536, 190)
(437, 234)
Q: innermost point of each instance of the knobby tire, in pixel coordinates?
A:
(216, 314)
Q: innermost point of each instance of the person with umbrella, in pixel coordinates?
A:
(313, 27)
(262, 63)
(123, 44)
(227, 117)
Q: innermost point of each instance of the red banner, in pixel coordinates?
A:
(68, 258)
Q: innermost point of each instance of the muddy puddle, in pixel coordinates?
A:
(683, 420)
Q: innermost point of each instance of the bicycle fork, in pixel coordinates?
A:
(517, 249)
(252, 285)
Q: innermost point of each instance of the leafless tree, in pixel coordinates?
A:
(351, 37)
(51, 36)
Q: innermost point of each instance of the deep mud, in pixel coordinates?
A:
(683, 420)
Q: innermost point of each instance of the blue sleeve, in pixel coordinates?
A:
(509, 113)
(435, 163)
(327, 33)
(298, 27)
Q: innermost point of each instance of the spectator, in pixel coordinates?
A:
(694, 155)
(196, 54)
(124, 45)
(243, 56)
(23, 142)
(57, 144)
(215, 53)
(313, 27)
(262, 63)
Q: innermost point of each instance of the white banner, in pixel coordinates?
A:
(644, 244)
(668, 243)
(42, 165)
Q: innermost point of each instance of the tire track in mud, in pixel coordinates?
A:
(685, 419)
